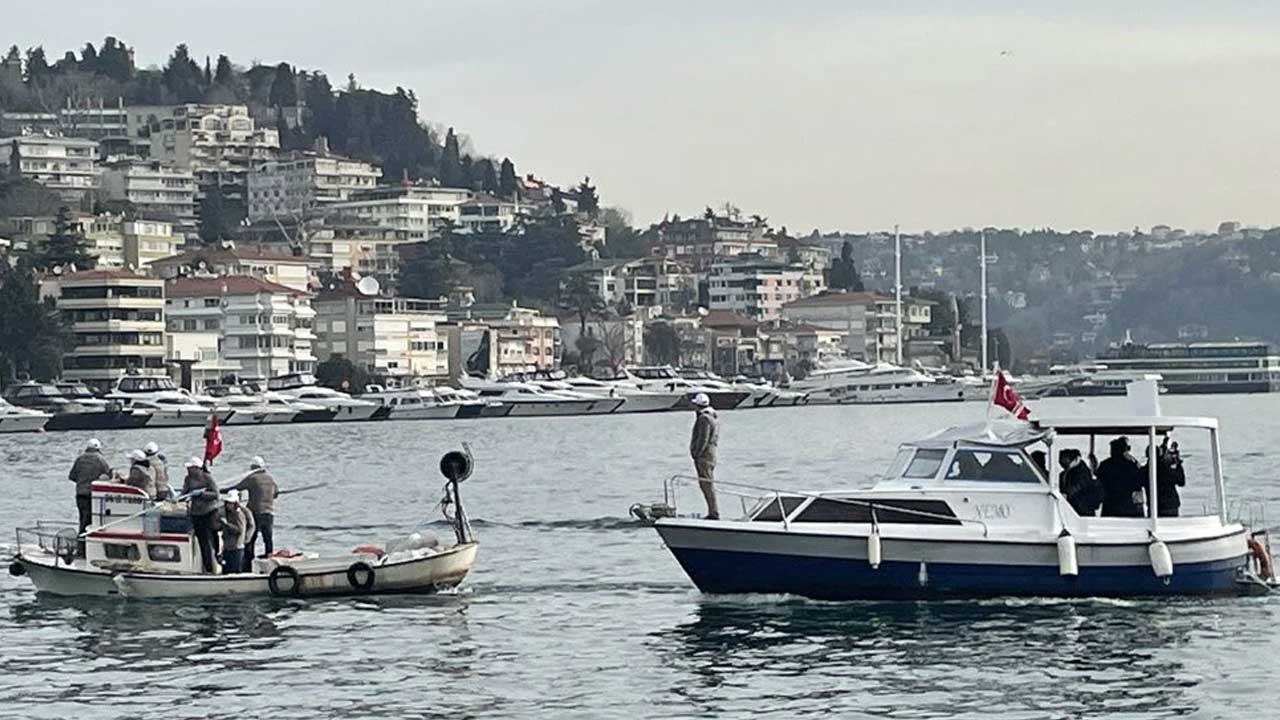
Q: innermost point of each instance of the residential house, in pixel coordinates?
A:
(394, 338)
(419, 211)
(289, 270)
(154, 191)
(758, 287)
(301, 182)
(117, 320)
(65, 165)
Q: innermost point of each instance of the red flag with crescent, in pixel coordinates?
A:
(1006, 397)
(212, 440)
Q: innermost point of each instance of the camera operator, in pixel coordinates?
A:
(1169, 477)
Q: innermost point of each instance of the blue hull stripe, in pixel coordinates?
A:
(721, 571)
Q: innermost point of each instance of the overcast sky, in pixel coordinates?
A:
(836, 115)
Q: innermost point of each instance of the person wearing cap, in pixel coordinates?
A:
(262, 503)
(1122, 482)
(203, 502)
(88, 468)
(155, 459)
(140, 474)
(237, 526)
(702, 447)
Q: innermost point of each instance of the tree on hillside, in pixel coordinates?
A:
(182, 76)
(224, 74)
(208, 72)
(508, 185)
(65, 247)
(662, 343)
(340, 373)
(432, 272)
(89, 58)
(284, 88)
(31, 335)
(588, 200)
(37, 66)
(213, 215)
(488, 177)
(115, 61)
(21, 197)
(451, 174)
(844, 274)
(580, 297)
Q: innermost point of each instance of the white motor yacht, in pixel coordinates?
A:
(469, 402)
(637, 400)
(850, 382)
(664, 378)
(19, 419)
(302, 386)
(410, 403)
(168, 406)
(527, 400)
(250, 409)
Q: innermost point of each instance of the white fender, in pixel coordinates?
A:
(873, 547)
(922, 576)
(1161, 561)
(1067, 562)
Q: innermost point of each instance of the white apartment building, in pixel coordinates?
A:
(651, 282)
(117, 318)
(396, 338)
(156, 192)
(265, 329)
(367, 249)
(288, 270)
(868, 320)
(521, 339)
(146, 241)
(417, 210)
(486, 213)
(217, 143)
(758, 287)
(67, 166)
(291, 186)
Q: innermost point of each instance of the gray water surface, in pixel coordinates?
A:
(575, 611)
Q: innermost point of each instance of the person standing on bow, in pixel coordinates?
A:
(87, 469)
(237, 526)
(203, 501)
(702, 447)
(262, 503)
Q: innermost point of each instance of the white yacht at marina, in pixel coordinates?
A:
(851, 382)
(637, 399)
(411, 403)
(19, 419)
(527, 400)
(252, 409)
(167, 405)
(664, 378)
(303, 387)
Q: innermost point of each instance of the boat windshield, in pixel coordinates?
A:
(991, 466)
(925, 464)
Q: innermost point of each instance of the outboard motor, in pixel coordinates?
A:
(456, 467)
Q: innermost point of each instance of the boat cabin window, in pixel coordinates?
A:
(770, 511)
(119, 551)
(991, 466)
(845, 510)
(164, 553)
(925, 464)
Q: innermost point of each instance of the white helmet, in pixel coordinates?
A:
(94, 444)
(137, 455)
(701, 400)
(257, 462)
(151, 448)
(193, 461)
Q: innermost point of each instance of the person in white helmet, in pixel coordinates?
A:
(262, 503)
(203, 502)
(140, 474)
(702, 447)
(88, 469)
(156, 460)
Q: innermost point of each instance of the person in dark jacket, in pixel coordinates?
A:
(1122, 482)
(1077, 484)
(1169, 477)
(702, 447)
(262, 503)
(203, 501)
(87, 469)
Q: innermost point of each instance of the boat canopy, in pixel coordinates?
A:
(1122, 425)
(996, 434)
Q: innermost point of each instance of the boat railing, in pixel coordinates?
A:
(52, 536)
(765, 496)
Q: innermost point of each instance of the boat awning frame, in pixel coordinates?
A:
(1123, 424)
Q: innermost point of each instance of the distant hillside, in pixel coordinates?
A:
(368, 124)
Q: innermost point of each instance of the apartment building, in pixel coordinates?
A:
(117, 319)
(652, 282)
(289, 270)
(868, 320)
(419, 211)
(155, 191)
(522, 339)
(701, 241)
(758, 287)
(301, 182)
(394, 338)
(217, 143)
(486, 213)
(67, 166)
(264, 329)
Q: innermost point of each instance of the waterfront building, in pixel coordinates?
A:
(419, 211)
(523, 339)
(393, 338)
(117, 320)
(155, 192)
(289, 270)
(1201, 367)
(65, 165)
(758, 287)
(300, 182)
(868, 320)
(264, 329)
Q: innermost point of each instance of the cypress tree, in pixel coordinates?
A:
(451, 174)
(488, 177)
(508, 185)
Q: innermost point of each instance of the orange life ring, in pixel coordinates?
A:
(1259, 552)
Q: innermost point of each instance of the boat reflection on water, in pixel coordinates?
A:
(1086, 658)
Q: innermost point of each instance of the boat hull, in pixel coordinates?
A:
(23, 423)
(835, 567)
(427, 412)
(650, 403)
(105, 420)
(183, 418)
(268, 417)
(440, 571)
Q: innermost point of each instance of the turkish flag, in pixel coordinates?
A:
(1006, 397)
(212, 440)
